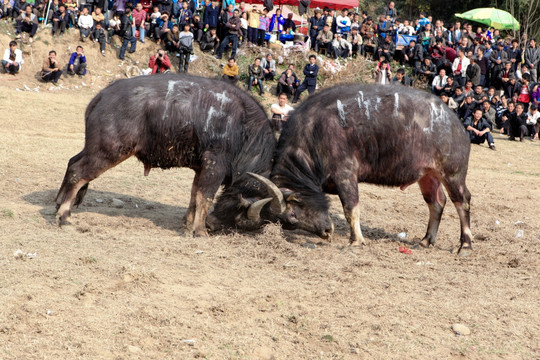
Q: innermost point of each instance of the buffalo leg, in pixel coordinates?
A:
(190, 213)
(461, 197)
(210, 179)
(348, 194)
(434, 196)
(82, 169)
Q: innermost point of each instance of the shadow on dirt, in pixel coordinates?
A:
(112, 204)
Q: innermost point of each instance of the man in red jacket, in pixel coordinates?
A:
(159, 63)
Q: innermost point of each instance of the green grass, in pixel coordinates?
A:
(7, 213)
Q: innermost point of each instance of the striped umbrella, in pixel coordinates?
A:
(499, 19)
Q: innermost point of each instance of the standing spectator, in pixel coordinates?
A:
(514, 54)
(287, 83)
(77, 62)
(210, 41)
(343, 24)
(473, 72)
(256, 75)
(60, 20)
(230, 71)
(253, 25)
(280, 112)
(27, 22)
(85, 24)
(224, 18)
(483, 63)
(12, 59)
(497, 59)
(51, 69)
(99, 35)
(311, 71)
(289, 26)
(186, 48)
(316, 24)
(478, 129)
(185, 15)
(277, 22)
(505, 77)
(390, 11)
(459, 67)
(269, 67)
(233, 31)
(532, 58)
(264, 25)
(126, 32)
(159, 62)
(244, 27)
(211, 15)
(139, 21)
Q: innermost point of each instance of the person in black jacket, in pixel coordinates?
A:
(316, 24)
(60, 20)
(126, 31)
(517, 123)
(311, 71)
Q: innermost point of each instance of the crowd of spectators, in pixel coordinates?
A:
(470, 69)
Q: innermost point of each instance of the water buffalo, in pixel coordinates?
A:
(390, 136)
(167, 121)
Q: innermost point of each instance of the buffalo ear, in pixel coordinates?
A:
(293, 198)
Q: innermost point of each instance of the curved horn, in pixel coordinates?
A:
(278, 203)
(254, 211)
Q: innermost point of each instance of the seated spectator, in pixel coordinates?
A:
(324, 40)
(27, 22)
(77, 62)
(413, 55)
(524, 69)
(533, 122)
(60, 20)
(489, 113)
(450, 87)
(230, 71)
(256, 75)
(85, 24)
(197, 27)
(6, 9)
(99, 35)
(12, 59)
(459, 96)
(114, 25)
(427, 70)
(517, 124)
(210, 41)
(98, 17)
(72, 11)
(280, 112)
(449, 101)
(524, 91)
(139, 21)
(287, 83)
(164, 28)
(467, 107)
(368, 32)
(269, 67)
(478, 129)
(186, 48)
(382, 72)
(160, 63)
(478, 94)
(173, 40)
(356, 42)
(51, 69)
(508, 114)
(386, 48)
(401, 78)
(341, 47)
(439, 82)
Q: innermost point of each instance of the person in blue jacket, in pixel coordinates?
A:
(77, 62)
(311, 71)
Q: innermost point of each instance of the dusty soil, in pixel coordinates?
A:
(129, 283)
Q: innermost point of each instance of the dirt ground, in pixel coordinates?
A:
(128, 283)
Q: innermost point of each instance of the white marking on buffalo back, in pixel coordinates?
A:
(396, 105)
(341, 113)
(222, 97)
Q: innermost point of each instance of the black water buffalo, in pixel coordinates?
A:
(391, 136)
(169, 121)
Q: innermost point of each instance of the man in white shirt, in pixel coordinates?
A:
(280, 111)
(459, 67)
(12, 59)
(341, 47)
(343, 23)
(85, 24)
(439, 82)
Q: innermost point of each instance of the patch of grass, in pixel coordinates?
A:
(7, 213)
(328, 338)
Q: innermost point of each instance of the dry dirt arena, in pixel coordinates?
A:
(128, 282)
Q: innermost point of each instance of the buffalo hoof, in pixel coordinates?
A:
(354, 242)
(200, 233)
(61, 221)
(463, 252)
(425, 243)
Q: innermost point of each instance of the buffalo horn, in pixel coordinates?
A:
(278, 203)
(254, 211)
